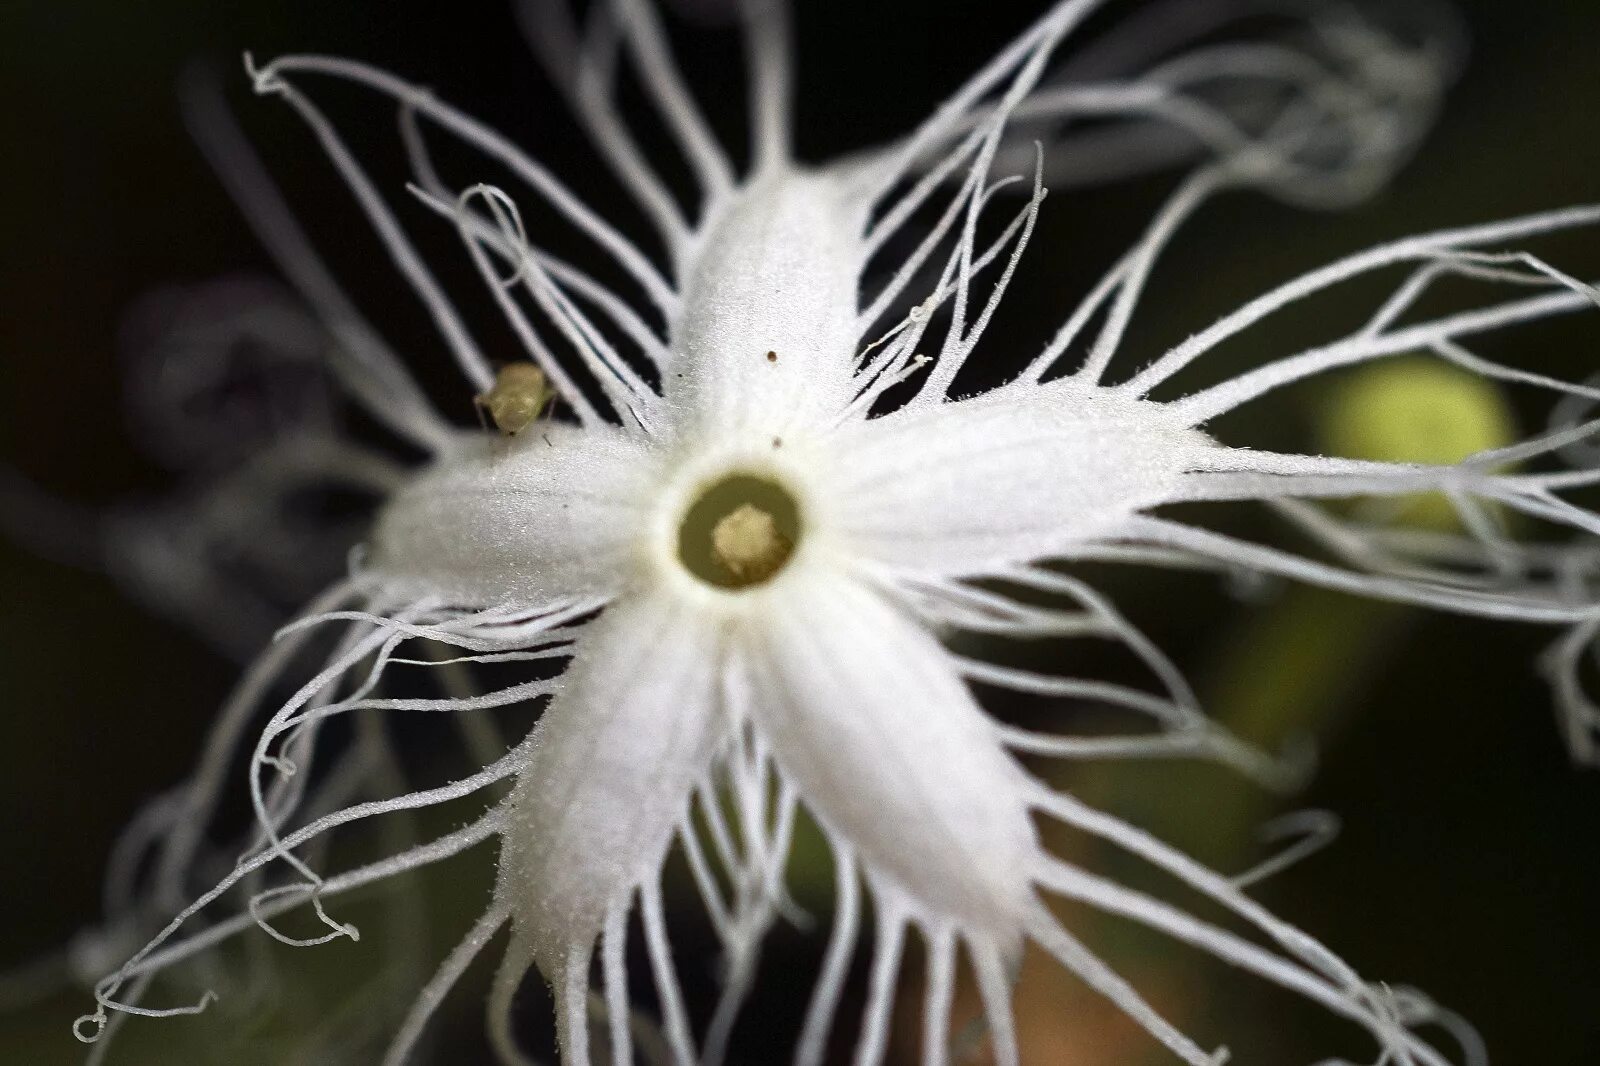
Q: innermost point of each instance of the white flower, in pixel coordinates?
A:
(751, 526)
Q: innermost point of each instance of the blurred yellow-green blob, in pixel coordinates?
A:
(1290, 668)
(1415, 410)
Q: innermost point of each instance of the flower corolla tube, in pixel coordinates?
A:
(730, 514)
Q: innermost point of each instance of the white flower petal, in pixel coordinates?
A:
(867, 717)
(1016, 474)
(552, 513)
(611, 766)
(768, 333)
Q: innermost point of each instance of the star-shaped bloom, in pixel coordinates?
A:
(764, 503)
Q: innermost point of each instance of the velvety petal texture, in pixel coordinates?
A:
(610, 769)
(1015, 474)
(867, 718)
(769, 327)
(554, 512)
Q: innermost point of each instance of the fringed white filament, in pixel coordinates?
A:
(563, 384)
(748, 834)
(439, 986)
(297, 720)
(583, 66)
(401, 250)
(836, 958)
(1412, 249)
(769, 61)
(622, 386)
(646, 37)
(553, 192)
(160, 955)
(380, 381)
(443, 200)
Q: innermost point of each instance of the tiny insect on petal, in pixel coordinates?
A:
(520, 394)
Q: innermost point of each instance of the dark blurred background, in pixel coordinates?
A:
(1469, 863)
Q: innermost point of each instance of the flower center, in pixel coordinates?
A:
(740, 532)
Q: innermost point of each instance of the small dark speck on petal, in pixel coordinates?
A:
(777, 442)
(772, 357)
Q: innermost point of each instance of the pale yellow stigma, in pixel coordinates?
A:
(749, 544)
(740, 532)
